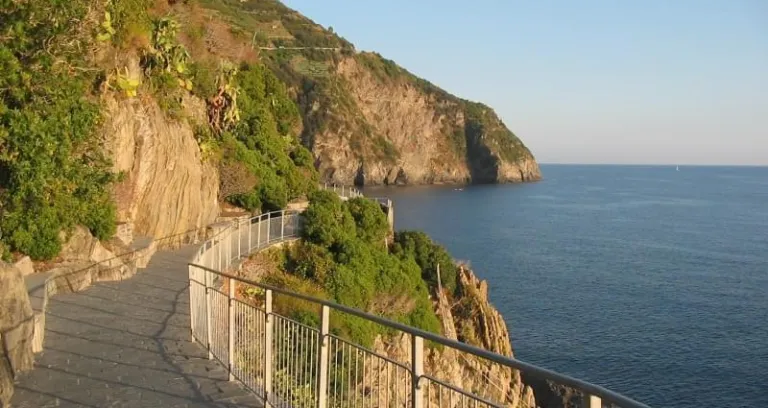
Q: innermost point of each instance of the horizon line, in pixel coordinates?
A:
(648, 164)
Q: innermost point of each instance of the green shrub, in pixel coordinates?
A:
(204, 79)
(343, 253)
(165, 88)
(310, 261)
(370, 220)
(326, 222)
(249, 201)
(418, 246)
(130, 18)
(53, 173)
(302, 157)
(277, 161)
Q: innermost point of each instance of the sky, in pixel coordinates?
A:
(588, 81)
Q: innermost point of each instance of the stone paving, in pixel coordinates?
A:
(127, 344)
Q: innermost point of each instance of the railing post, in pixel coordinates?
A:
(192, 308)
(229, 248)
(417, 370)
(282, 225)
(250, 232)
(591, 401)
(219, 244)
(239, 236)
(231, 325)
(269, 226)
(258, 234)
(322, 366)
(268, 323)
(208, 312)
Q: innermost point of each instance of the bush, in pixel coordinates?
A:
(53, 173)
(342, 253)
(418, 246)
(249, 201)
(326, 222)
(279, 164)
(310, 261)
(370, 220)
(204, 79)
(302, 157)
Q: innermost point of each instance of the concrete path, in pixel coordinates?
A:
(127, 344)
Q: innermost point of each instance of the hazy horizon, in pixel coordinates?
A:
(593, 82)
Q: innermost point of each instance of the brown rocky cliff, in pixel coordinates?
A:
(471, 319)
(168, 189)
(405, 133)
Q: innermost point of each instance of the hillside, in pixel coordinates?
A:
(151, 113)
(349, 255)
(154, 118)
(369, 121)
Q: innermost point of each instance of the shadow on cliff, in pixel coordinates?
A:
(483, 165)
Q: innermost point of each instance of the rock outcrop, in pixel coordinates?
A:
(16, 328)
(413, 136)
(472, 319)
(167, 188)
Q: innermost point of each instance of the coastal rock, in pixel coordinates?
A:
(25, 265)
(407, 133)
(16, 329)
(475, 321)
(168, 189)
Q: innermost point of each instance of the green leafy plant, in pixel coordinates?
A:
(53, 172)
(166, 63)
(165, 53)
(342, 252)
(128, 85)
(107, 31)
(223, 112)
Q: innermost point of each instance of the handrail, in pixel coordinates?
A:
(201, 277)
(533, 370)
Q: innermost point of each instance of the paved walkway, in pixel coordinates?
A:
(127, 344)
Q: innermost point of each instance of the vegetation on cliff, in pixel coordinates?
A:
(59, 59)
(53, 175)
(278, 118)
(329, 80)
(344, 256)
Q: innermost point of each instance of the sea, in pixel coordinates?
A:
(647, 280)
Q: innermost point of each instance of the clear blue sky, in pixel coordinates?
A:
(588, 81)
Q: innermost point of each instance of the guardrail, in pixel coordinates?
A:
(290, 364)
(343, 191)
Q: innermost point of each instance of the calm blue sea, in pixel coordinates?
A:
(650, 281)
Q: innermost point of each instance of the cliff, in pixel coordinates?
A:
(366, 119)
(472, 319)
(467, 316)
(167, 188)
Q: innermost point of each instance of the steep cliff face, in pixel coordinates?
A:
(467, 316)
(167, 188)
(414, 133)
(472, 319)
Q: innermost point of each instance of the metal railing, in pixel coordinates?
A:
(292, 364)
(343, 191)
